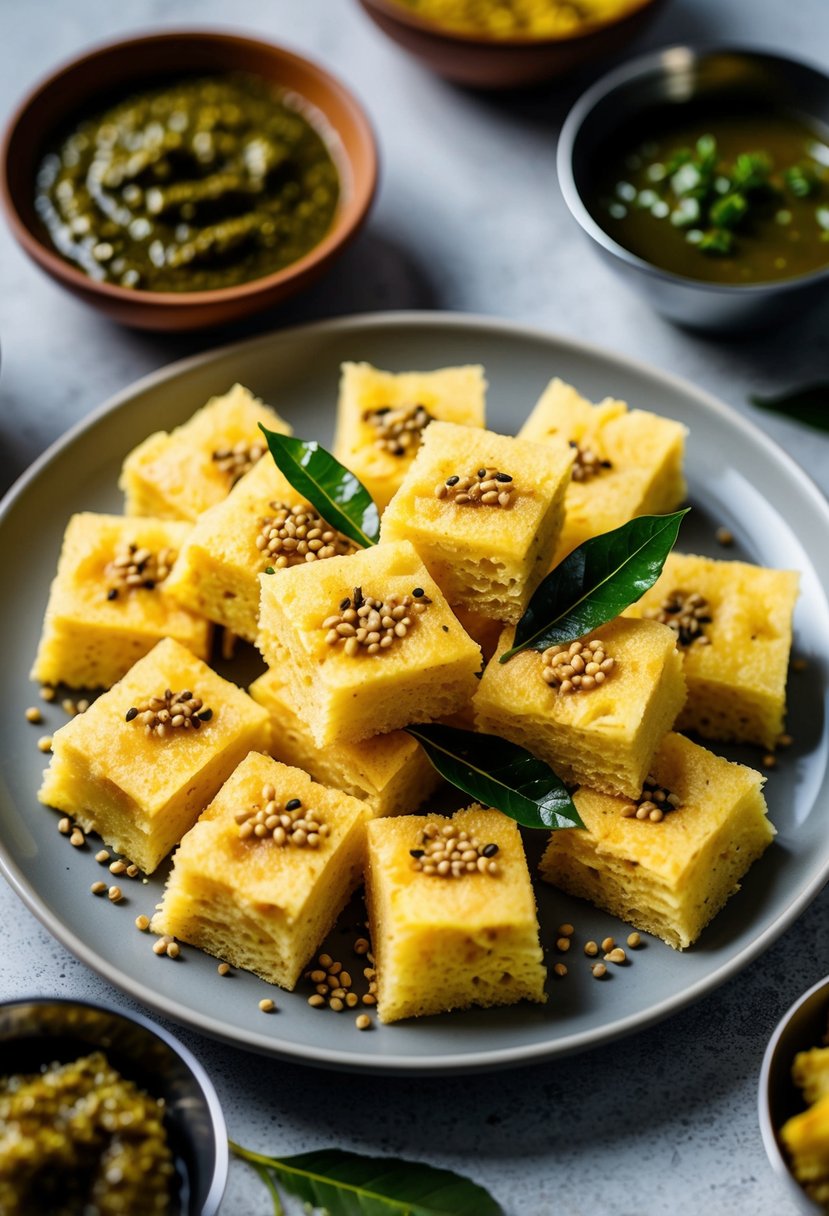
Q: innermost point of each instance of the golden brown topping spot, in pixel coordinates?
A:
(239, 459)
(450, 852)
(288, 824)
(173, 711)
(587, 463)
(578, 667)
(685, 612)
(486, 487)
(653, 803)
(365, 624)
(399, 429)
(135, 566)
(295, 534)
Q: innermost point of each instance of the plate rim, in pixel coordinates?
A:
(464, 1062)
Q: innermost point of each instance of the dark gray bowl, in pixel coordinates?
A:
(36, 1032)
(685, 76)
(802, 1027)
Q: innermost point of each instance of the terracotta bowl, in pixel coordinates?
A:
(504, 63)
(118, 66)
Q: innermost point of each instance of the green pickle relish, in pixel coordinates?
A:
(199, 185)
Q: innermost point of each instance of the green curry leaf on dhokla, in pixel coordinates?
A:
(340, 498)
(499, 774)
(596, 582)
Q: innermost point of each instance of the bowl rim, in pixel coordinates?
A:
(636, 70)
(221, 1157)
(364, 186)
(768, 1131)
(396, 11)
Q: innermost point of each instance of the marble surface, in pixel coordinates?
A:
(468, 218)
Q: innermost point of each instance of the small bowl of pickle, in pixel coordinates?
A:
(104, 1112)
(179, 197)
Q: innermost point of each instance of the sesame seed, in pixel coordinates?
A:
(587, 464)
(173, 950)
(64, 826)
(566, 930)
(47, 693)
(160, 947)
(98, 888)
(369, 999)
(591, 949)
(118, 867)
(142, 923)
(361, 946)
(685, 612)
(267, 1005)
(563, 944)
(576, 667)
(33, 714)
(132, 871)
(223, 969)
(724, 537)
(398, 430)
(115, 895)
(560, 970)
(44, 743)
(336, 1004)
(599, 971)
(634, 941)
(316, 1001)
(77, 839)
(785, 741)
(173, 711)
(769, 760)
(101, 856)
(616, 955)
(362, 1021)
(608, 943)
(238, 459)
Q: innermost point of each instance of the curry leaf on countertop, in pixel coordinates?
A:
(596, 582)
(340, 498)
(809, 404)
(499, 774)
(348, 1184)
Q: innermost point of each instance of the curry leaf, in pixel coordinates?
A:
(809, 404)
(347, 1184)
(499, 774)
(596, 582)
(340, 498)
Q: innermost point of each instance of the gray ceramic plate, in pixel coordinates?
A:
(738, 478)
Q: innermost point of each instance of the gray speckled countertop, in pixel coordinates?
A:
(469, 218)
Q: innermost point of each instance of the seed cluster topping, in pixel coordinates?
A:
(587, 463)
(239, 459)
(173, 711)
(333, 987)
(399, 428)
(577, 667)
(653, 803)
(486, 487)
(295, 534)
(364, 623)
(685, 612)
(136, 566)
(288, 824)
(450, 852)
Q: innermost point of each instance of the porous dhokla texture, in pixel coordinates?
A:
(218, 570)
(139, 791)
(259, 905)
(604, 738)
(96, 626)
(366, 446)
(390, 773)
(485, 557)
(179, 474)
(448, 943)
(672, 877)
(633, 460)
(343, 698)
(737, 678)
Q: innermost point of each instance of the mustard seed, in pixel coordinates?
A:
(361, 946)
(769, 760)
(351, 999)
(566, 930)
(724, 537)
(634, 941)
(142, 923)
(115, 895)
(77, 839)
(362, 1021)
(616, 955)
(316, 1001)
(325, 960)
(47, 693)
(34, 715)
(599, 971)
(132, 871)
(44, 743)
(98, 888)
(591, 949)
(785, 741)
(369, 999)
(223, 968)
(160, 947)
(118, 867)
(608, 943)
(101, 856)
(563, 944)
(64, 826)
(336, 1004)
(266, 1005)
(173, 950)
(560, 970)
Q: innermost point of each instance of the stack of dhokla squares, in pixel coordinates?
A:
(280, 800)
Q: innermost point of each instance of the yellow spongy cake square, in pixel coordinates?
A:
(390, 773)
(805, 1138)
(444, 943)
(736, 656)
(367, 643)
(627, 462)
(670, 877)
(382, 416)
(261, 523)
(484, 511)
(142, 779)
(265, 903)
(603, 737)
(179, 474)
(109, 604)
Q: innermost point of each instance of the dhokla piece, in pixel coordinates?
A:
(805, 1137)
(262, 523)
(810, 1072)
(179, 474)
(382, 417)
(605, 736)
(367, 644)
(109, 605)
(449, 942)
(141, 779)
(670, 877)
(733, 622)
(390, 773)
(627, 462)
(484, 511)
(265, 903)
